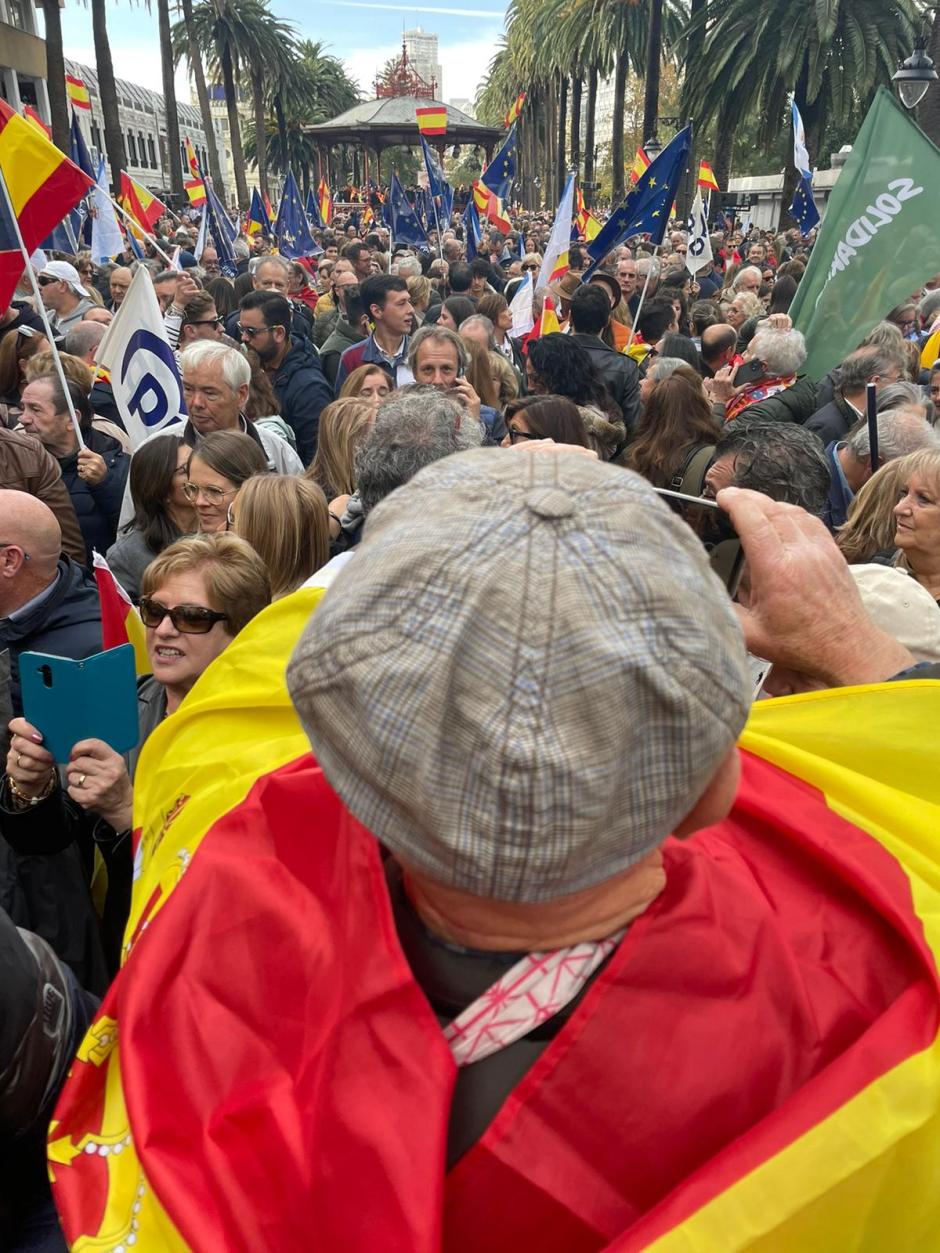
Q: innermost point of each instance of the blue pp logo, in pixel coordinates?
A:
(149, 374)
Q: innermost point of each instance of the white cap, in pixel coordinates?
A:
(65, 273)
(901, 607)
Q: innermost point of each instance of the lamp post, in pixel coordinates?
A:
(915, 75)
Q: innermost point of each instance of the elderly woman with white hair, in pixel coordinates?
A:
(775, 390)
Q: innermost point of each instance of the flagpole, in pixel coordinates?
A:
(41, 309)
(639, 308)
(137, 226)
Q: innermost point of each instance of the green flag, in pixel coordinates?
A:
(880, 240)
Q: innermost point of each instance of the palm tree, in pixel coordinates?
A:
(107, 89)
(186, 47)
(654, 56)
(55, 71)
(169, 99)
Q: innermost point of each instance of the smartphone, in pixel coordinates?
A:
(749, 372)
(713, 527)
(95, 698)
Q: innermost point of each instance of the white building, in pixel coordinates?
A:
(22, 58)
(463, 104)
(143, 124)
(422, 50)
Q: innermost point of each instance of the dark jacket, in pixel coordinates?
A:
(104, 404)
(26, 466)
(342, 336)
(303, 393)
(324, 325)
(793, 404)
(58, 824)
(23, 315)
(840, 495)
(834, 420)
(618, 373)
(97, 507)
(66, 623)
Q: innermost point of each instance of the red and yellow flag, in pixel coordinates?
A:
(43, 186)
(194, 185)
(641, 163)
(588, 225)
(120, 618)
(299, 1134)
(432, 121)
(706, 177)
(325, 201)
(515, 109)
(35, 120)
(490, 207)
(141, 204)
(77, 93)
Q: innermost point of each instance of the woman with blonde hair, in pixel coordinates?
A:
(367, 382)
(870, 527)
(480, 374)
(419, 289)
(343, 426)
(284, 518)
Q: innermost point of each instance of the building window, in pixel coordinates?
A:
(141, 143)
(19, 15)
(96, 136)
(153, 153)
(131, 148)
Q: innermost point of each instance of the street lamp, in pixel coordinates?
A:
(652, 147)
(916, 74)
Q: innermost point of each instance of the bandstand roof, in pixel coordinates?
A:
(385, 122)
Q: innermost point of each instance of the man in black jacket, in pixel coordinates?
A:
(872, 364)
(590, 313)
(94, 474)
(292, 365)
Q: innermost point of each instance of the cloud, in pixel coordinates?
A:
(417, 8)
(138, 64)
(464, 63)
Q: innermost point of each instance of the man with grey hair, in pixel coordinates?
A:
(82, 341)
(480, 329)
(273, 274)
(880, 364)
(216, 379)
(439, 357)
(779, 459)
(781, 393)
(406, 265)
(900, 431)
(747, 279)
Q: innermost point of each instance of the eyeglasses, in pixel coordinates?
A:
(514, 435)
(187, 619)
(214, 495)
(45, 279)
(252, 331)
(530, 267)
(206, 322)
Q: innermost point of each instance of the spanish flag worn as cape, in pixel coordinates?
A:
(265, 1073)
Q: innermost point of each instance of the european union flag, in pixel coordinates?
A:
(647, 207)
(222, 231)
(313, 212)
(501, 171)
(803, 208)
(290, 226)
(471, 226)
(406, 226)
(436, 180)
(78, 150)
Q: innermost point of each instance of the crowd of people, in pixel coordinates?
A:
(517, 629)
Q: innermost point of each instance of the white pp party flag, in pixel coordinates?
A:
(144, 376)
(700, 246)
(521, 309)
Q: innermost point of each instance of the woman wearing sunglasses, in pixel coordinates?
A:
(216, 470)
(195, 598)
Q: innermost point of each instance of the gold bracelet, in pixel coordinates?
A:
(25, 802)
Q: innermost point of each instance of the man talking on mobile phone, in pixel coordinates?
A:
(438, 356)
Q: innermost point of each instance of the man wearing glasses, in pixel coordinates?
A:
(60, 286)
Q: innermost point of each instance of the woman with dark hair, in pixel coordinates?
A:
(216, 470)
(222, 291)
(455, 310)
(162, 514)
(545, 417)
(16, 348)
(782, 295)
(673, 344)
(558, 366)
(495, 306)
(676, 423)
(617, 331)
(674, 287)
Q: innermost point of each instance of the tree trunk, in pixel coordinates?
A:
(576, 86)
(561, 166)
(261, 134)
(113, 139)
(169, 100)
(724, 151)
(654, 56)
(696, 43)
(589, 171)
(616, 142)
(202, 95)
(55, 69)
(231, 106)
(928, 111)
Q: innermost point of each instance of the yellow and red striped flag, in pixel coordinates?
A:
(35, 120)
(706, 177)
(194, 185)
(141, 204)
(641, 163)
(515, 109)
(325, 202)
(120, 619)
(77, 93)
(490, 207)
(43, 184)
(432, 121)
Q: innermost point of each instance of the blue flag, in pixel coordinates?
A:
(439, 201)
(258, 215)
(313, 212)
(221, 230)
(406, 226)
(471, 225)
(646, 209)
(290, 226)
(803, 207)
(800, 155)
(501, 171)
(78, 150)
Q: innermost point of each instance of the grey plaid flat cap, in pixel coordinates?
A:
(526, 676)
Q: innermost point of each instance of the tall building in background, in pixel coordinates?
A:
(23, 58)
(421, 47)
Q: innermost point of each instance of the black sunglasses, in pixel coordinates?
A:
(252, 331)
(45, 279)
(205, 322)
(514, 435)
(188, 619)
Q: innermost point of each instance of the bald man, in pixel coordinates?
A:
(99, 314)
(120, 280)
(26, 466)
(48, 604)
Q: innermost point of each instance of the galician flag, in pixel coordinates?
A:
(700, 246)
(879, 239)
(555, 257)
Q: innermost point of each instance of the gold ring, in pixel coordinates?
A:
(81, 780)
(19, 759)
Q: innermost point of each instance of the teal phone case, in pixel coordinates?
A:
(92, 699)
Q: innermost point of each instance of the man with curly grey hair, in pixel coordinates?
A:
(781, 393)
